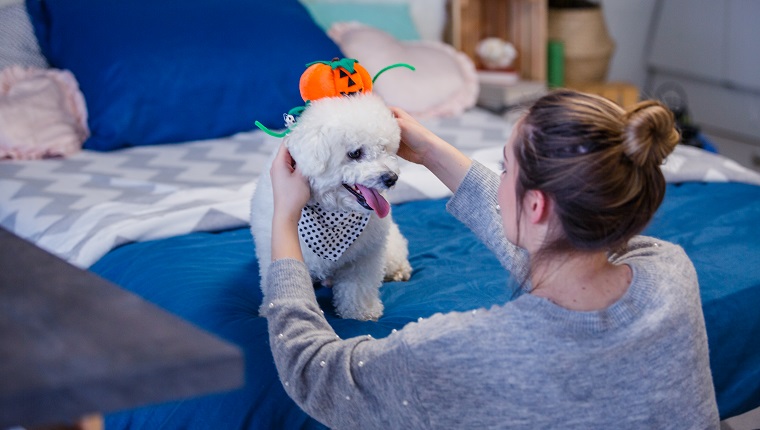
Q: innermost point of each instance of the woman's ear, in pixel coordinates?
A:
(537, 206)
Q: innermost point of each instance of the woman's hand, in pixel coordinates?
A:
(421, 146)
(290, 188)
(290, 193)
(415, 138)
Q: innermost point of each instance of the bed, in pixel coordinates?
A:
(158, 200)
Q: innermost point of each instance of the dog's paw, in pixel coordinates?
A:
(365, 315)
(402, 272)
(372, 312)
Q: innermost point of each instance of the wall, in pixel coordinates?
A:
(709, 48)
(628, 23)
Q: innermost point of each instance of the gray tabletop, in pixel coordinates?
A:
(72, 343)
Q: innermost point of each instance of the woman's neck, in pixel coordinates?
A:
(581, 281)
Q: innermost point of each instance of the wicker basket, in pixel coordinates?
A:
(587, 42)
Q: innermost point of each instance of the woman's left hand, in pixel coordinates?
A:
(291, 192)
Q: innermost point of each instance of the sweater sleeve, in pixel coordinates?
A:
(474, 204)
(353, 383)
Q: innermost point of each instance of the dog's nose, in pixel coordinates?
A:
(389, 179)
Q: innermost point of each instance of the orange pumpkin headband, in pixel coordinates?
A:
(336, 78)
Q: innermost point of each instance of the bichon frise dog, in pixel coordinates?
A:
(346, 147)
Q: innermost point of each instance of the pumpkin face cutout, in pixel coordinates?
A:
(339, 77)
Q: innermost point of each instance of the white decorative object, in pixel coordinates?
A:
(496, 53)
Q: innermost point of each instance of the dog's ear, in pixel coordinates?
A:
(321, 150)
(310, 148)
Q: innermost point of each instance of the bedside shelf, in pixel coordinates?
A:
(520, 22)
(622, 93)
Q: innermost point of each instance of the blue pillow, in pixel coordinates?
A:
(393, 18)
(168, 71)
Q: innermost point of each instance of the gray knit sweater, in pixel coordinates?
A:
(642, 363)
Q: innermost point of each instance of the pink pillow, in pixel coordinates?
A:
(42, 113)
(445, 82)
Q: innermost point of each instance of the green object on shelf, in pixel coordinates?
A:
(555, 64)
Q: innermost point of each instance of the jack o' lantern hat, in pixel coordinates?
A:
(339, 77)
(336, 78)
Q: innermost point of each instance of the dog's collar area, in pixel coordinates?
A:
(359, 197)
(329, 234)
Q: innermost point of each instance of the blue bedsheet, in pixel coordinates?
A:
(211, 279)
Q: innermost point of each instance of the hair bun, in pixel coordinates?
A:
(650, 133)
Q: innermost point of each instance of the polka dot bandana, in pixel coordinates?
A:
(329, 234)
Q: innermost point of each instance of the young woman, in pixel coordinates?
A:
(610, 333)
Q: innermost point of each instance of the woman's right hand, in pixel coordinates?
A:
(290, 191)
(290, 188)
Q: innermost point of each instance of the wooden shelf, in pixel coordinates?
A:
(622, 93)
(520, 22)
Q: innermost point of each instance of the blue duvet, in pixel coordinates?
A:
(211, 279)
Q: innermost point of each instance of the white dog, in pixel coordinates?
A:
(346, 147)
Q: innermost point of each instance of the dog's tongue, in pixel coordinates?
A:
(375, 200)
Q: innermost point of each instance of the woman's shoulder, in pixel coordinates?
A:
(659, 264)
(653, 249)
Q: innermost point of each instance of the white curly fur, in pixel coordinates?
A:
(325, 133)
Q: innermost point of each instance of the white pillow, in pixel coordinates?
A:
(444, 83)
(430, 18)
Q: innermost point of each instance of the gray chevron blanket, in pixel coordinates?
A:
(83, 206)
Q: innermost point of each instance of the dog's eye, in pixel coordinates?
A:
(355, 154)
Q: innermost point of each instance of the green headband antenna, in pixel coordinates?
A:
(392, 66)
(295, 111)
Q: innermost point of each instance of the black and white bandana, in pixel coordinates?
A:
(329, 234)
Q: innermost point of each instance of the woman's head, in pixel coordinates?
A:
(598, 164)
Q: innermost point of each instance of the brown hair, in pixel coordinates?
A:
(599, 164)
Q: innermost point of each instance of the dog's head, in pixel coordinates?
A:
(346, 147)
